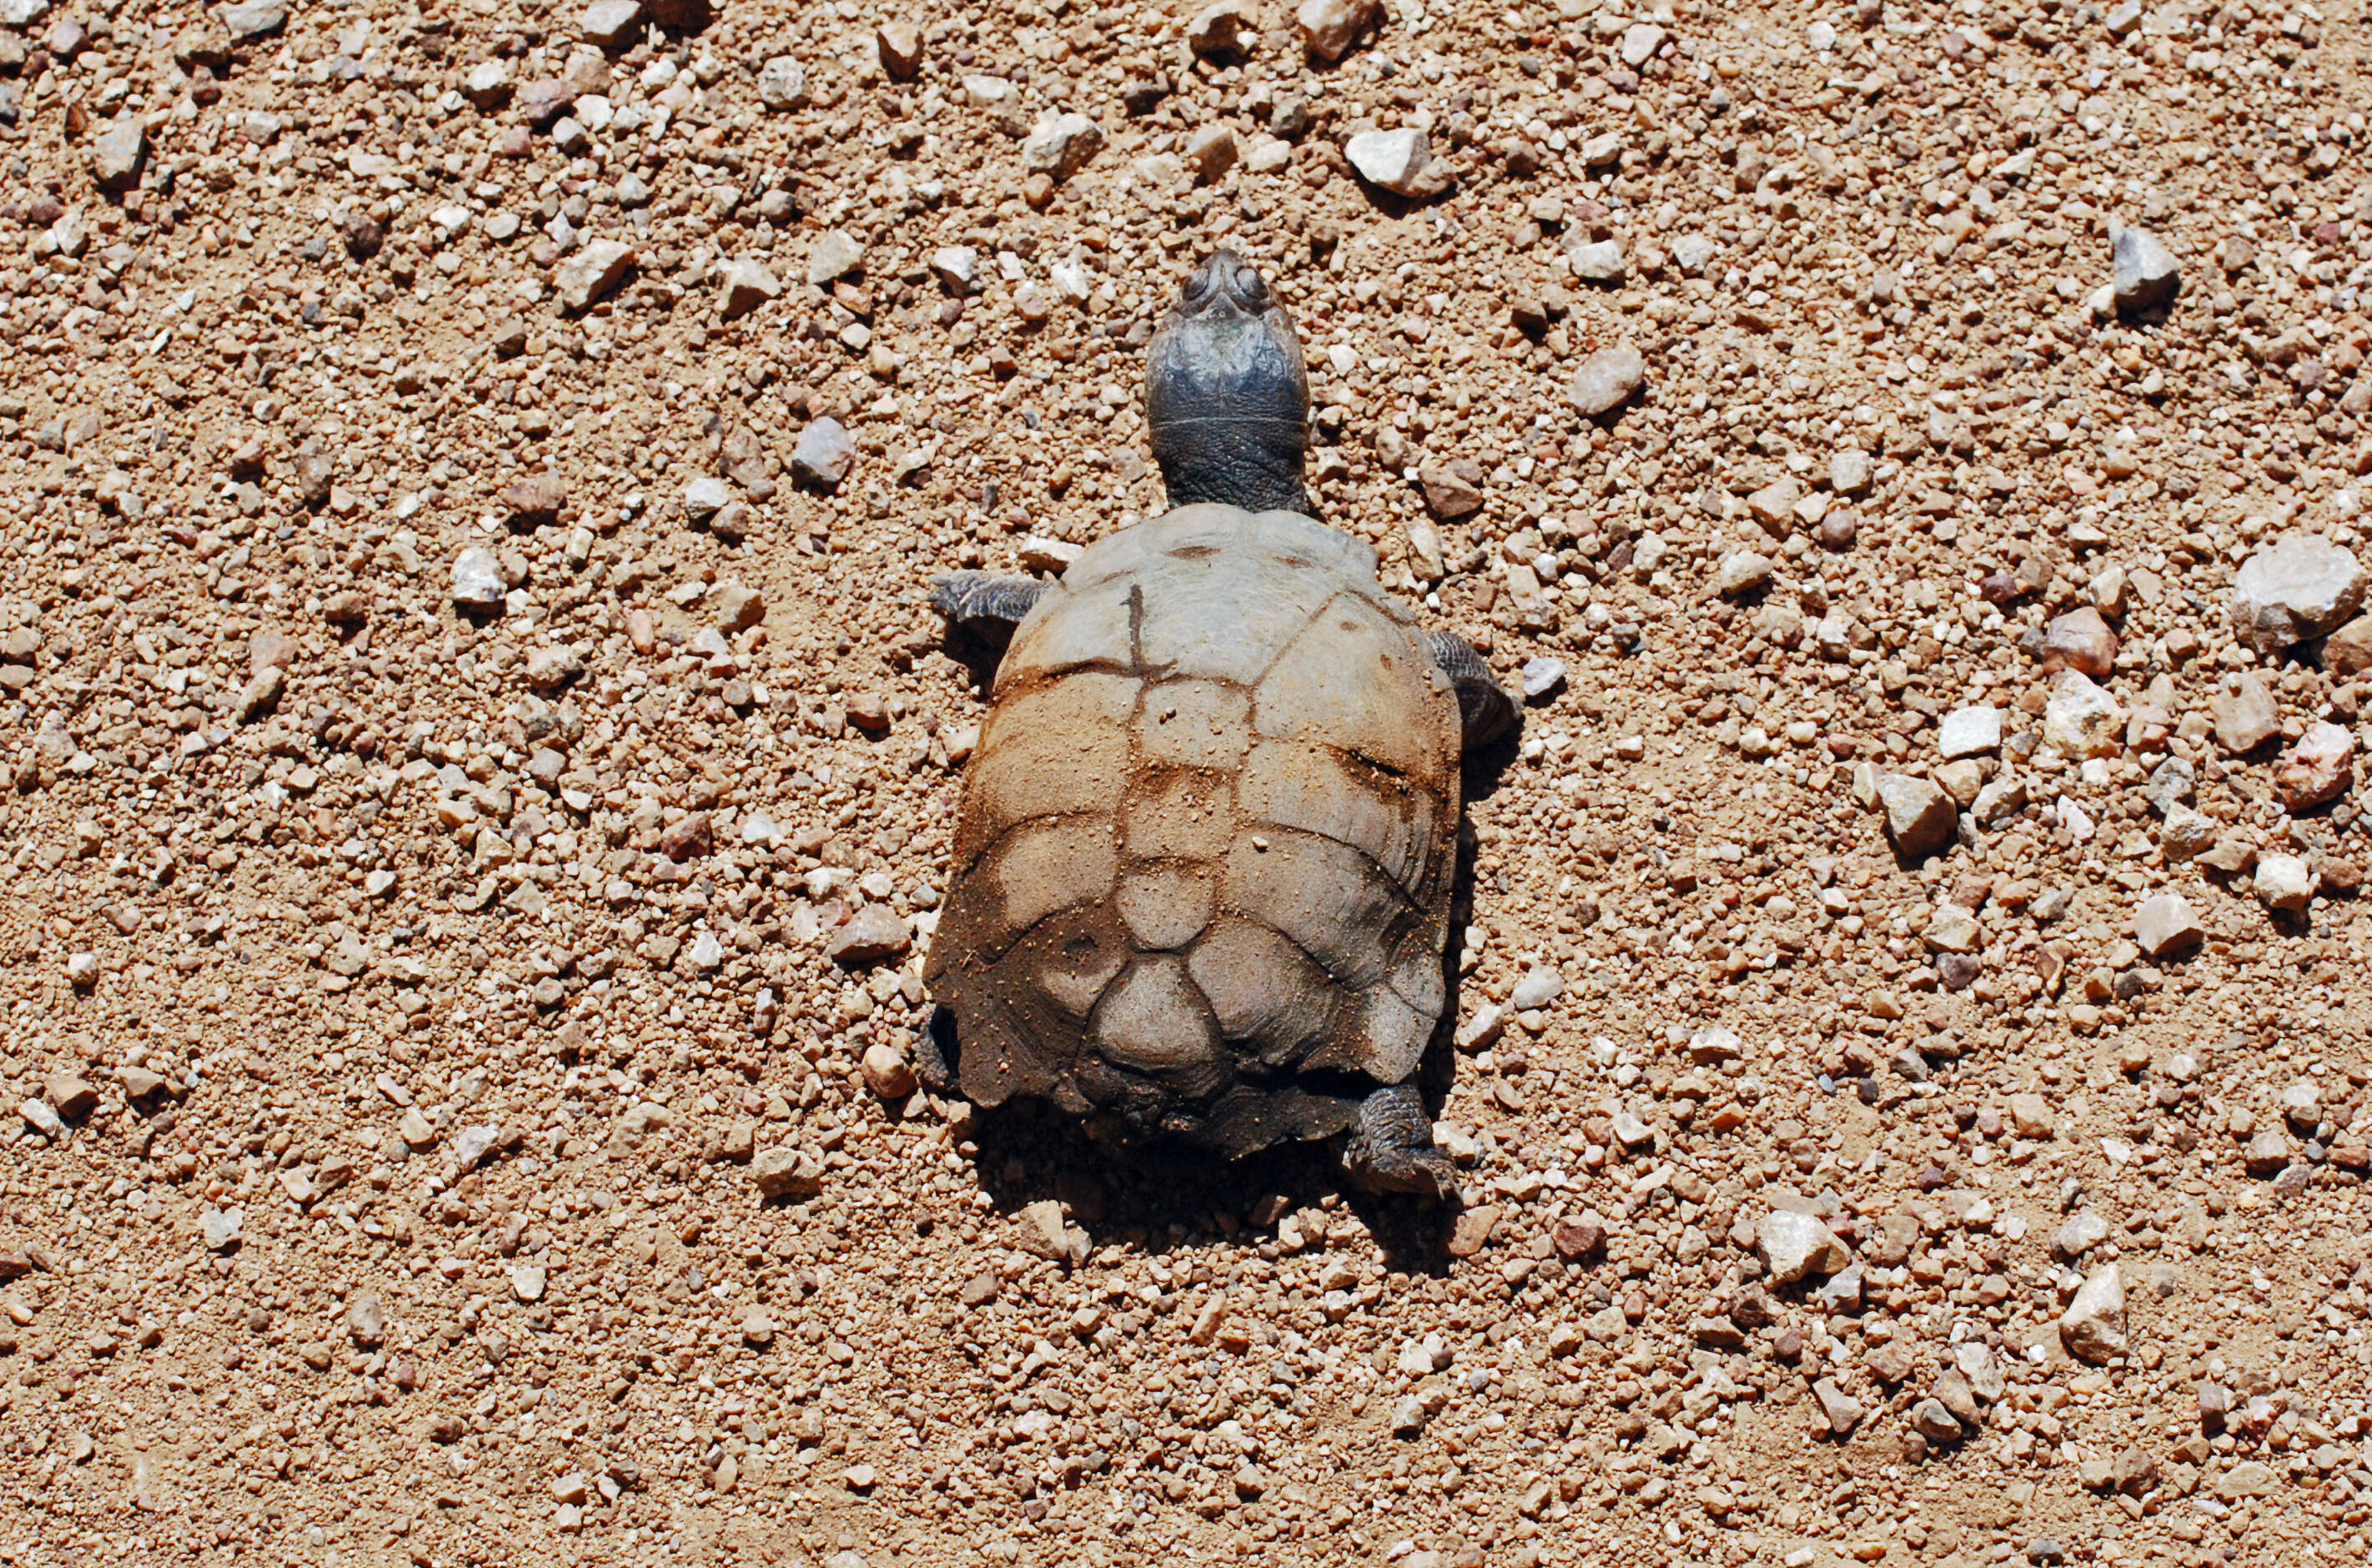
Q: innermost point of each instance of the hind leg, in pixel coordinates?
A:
(1391, 1150)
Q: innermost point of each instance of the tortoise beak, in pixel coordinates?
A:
(1225, 285)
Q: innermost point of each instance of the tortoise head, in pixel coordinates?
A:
(1226, 395)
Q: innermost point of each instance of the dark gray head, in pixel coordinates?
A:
(1226, 393)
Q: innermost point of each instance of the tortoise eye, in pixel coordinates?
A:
(1201, 286)
(1251, 287)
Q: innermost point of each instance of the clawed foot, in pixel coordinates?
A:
(1392, 1149)
(935, 1051)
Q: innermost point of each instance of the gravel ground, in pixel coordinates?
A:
(482, 766)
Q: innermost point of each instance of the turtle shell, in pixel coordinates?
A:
(1203, 863)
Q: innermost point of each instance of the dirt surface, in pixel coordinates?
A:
(482, 765)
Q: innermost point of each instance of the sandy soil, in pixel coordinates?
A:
(482, 765)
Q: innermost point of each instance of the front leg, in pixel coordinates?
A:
(1487, 710)
(937, 1062)
(1393, 1150)
(984, 603)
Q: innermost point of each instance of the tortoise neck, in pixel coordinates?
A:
(1254, 464)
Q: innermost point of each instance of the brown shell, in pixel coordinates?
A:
(1203, 864)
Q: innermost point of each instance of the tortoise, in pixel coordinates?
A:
(1202, 861)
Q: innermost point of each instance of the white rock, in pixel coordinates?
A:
(781, 1172)
(1538, 987)
(116, 152)
(222, 1227)
(1640, 42)
(254, 19)
(2093, 1326)
(592, 271)
(1268, 154)
(1218, 31)
(549, 668)
(1043, 552)
(1158, 172)
(2187, 835)
(823, 454)
(1061, 144)
(1716, 1044)
(748, 286)
(2081, 720)
(1071, 279)
(1400, 161)
(1542, 676)
(1043, 1231)
(609, 24)
(473, 1144)
(1741, 572)
(1424, 548)
(1608, 379)
(835, 254)
(1600, 263)
(1774, 505)
(1793, 1245)
(1483, 1030)
(783, 84)
(478, 578)
(1920, 817)
(1329, 28)
(988, 92)
(2144, 272)
(1850, 470)
(2299, 586)
(2174, 779)
(1968, 732)
(2081, 1234)
(1980, 1367)
(2167, 924)
(2002, 797)
(2285, 883)
(1953, 929)
(1211, 151)
(958, 267)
